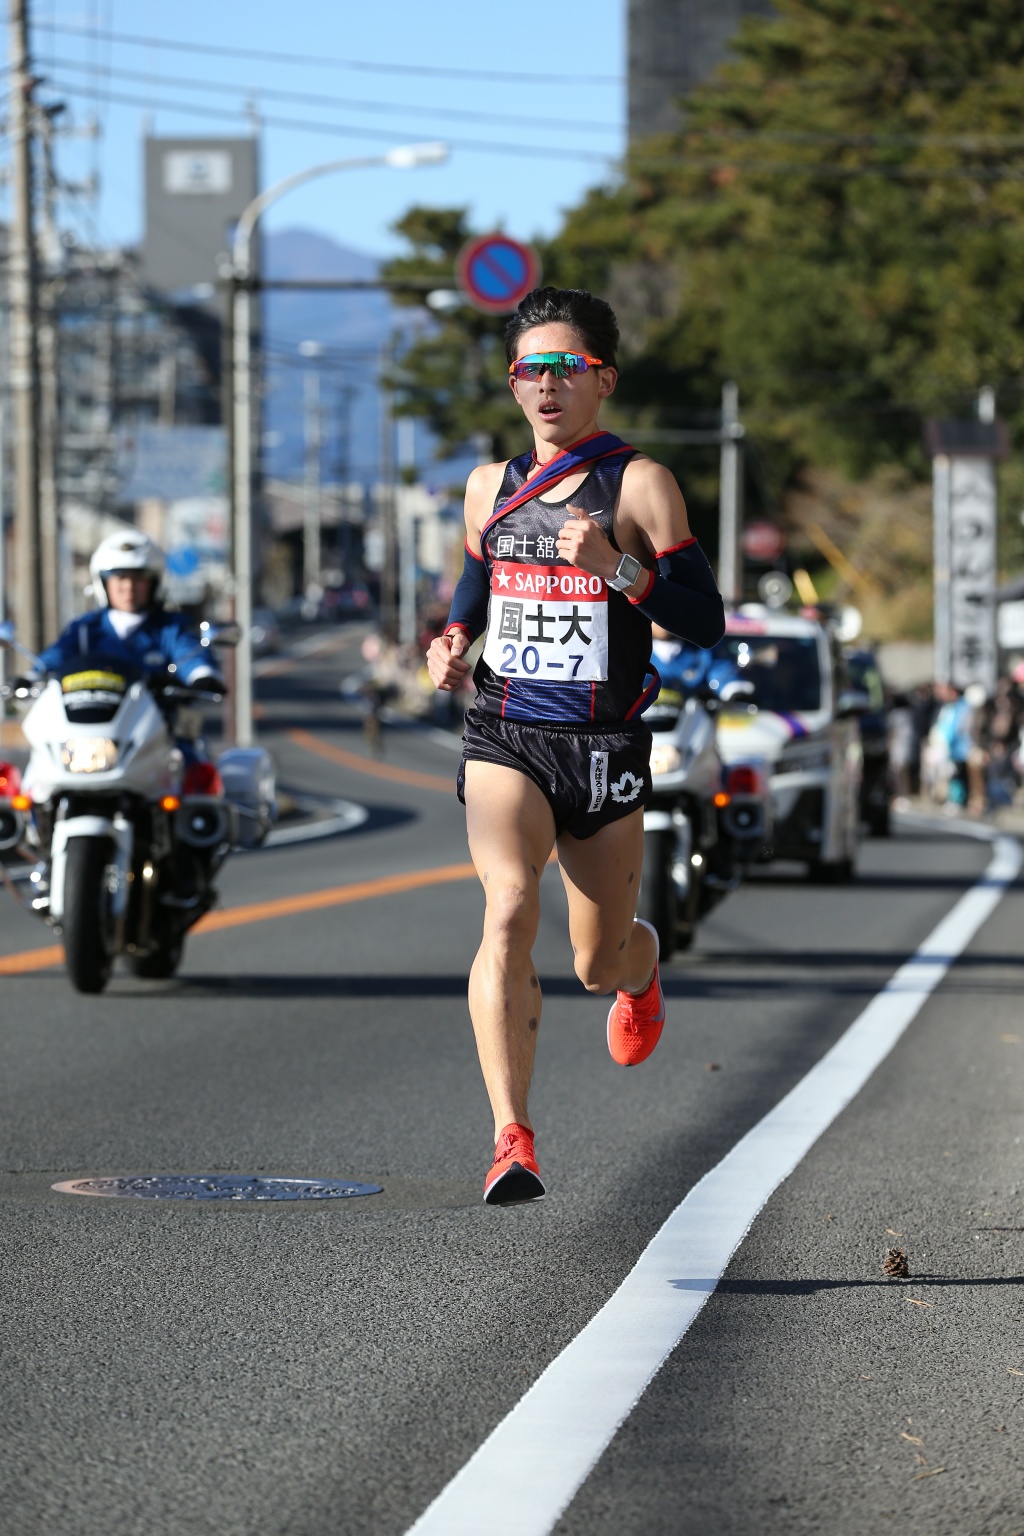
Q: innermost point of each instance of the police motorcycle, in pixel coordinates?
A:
(705, 823)
(125, 832)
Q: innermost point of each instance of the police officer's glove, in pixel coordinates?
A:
(212, 688)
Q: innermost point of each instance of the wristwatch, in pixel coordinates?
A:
(626, 572)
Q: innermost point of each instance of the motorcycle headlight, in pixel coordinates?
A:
(665, 758)
(89, 754)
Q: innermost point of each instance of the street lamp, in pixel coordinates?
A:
(404, 157)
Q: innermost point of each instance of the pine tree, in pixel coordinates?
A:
(839, 227)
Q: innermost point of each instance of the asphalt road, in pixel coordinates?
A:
(328, 1367)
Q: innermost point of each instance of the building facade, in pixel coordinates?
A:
(673, 45)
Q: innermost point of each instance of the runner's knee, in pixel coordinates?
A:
(513, 913)
(597, 973)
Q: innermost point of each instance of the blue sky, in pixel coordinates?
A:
(543, 80)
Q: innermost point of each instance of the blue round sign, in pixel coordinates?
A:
(183, 561)
(496, 272)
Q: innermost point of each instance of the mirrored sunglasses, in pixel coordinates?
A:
(561, 364)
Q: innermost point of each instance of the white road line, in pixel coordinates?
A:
(528, 1469)
(346, 816)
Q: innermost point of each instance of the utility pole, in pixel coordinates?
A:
(345, 536)
(408, 531)
(312, 511)
(23, 297)
(48, 268)
(388, 573)
(730, 499)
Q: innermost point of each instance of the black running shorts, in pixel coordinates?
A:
(588, 777)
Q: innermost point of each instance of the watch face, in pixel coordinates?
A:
(629, 569)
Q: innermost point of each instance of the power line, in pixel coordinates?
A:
(966, 141)
(324, 60)
(548, 151)
(532, 77)
(307, 125)
(269, 93)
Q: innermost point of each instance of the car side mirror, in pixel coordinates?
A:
(853, 701)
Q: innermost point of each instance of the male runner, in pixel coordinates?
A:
(571, 552)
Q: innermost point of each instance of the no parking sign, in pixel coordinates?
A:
(496, 272)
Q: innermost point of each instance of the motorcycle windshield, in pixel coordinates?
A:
(93, 687)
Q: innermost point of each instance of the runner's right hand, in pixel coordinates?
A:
(447, 669)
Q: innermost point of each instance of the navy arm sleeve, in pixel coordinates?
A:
(683, 596)
(469, 601)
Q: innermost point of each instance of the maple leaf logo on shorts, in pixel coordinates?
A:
(621, 794)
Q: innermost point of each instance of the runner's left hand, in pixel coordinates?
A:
(583, 544)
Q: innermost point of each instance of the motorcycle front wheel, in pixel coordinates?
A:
(87, 924)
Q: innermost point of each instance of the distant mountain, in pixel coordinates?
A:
(351, 328)
(305, 253)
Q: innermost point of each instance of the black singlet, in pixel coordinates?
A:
(561, 646)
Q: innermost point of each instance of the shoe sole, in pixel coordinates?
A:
(608, 1031)
(516, 1186)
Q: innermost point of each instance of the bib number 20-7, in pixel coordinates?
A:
(547, 624)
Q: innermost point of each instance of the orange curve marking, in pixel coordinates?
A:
(32, 960)
(263, 911)
(371, 765)
(334, 896)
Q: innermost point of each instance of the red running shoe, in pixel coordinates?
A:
(635, 1021)
(514, 1175)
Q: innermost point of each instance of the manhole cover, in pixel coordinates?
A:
(215, 1186)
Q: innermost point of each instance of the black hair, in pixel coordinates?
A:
(591, 318)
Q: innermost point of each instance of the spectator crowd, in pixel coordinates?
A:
(959, 748)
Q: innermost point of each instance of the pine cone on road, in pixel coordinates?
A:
(894, 1265)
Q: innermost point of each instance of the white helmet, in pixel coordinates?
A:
(127, 551)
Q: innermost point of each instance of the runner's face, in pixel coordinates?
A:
(561, 410)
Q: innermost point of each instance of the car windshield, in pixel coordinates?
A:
(784, 669)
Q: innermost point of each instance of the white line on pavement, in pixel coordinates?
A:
(529, 1468)
(346, 816)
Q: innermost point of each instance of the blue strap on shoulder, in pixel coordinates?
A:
(600, 445)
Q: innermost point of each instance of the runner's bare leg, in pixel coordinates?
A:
(601, 875)
(511, 833)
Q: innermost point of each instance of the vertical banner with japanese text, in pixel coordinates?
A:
(972, 571)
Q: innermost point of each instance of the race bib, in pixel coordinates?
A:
(547, 623)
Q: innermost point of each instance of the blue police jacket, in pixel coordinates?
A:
(161, 639)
